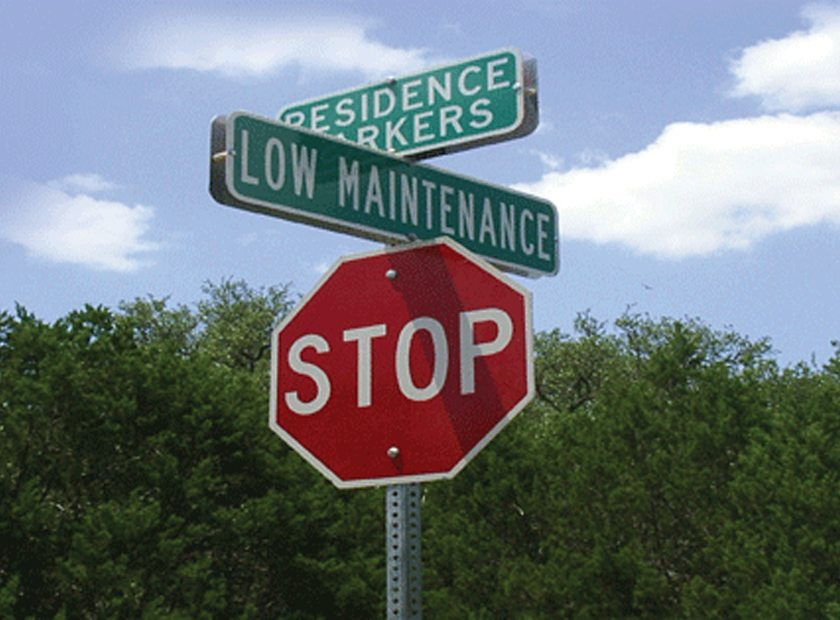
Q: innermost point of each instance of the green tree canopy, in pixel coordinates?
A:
(138, 478)
(665, 470)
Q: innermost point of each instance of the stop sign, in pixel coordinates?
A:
(401, 364)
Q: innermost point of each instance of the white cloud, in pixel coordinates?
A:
(322, 267)
(62, 222)
(797, 72)
(702, 188)
(548, 160)
(86, 183)
(258, 46)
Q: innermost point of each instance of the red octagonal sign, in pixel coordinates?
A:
(402, 364)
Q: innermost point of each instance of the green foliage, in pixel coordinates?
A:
(782, 546)
(232, 326)
(238, 320)
(138, 479)
(665, 470)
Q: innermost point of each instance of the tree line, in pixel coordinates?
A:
(665, 470)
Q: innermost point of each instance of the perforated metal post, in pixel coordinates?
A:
(402, 510)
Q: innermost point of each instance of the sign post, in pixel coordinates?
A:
(403, 543)
(425, 351)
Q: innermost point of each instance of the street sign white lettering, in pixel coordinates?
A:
(501, 225)
(322, 381)
(481, 99)
(304, 165)
(468, 349)
(364, 336)
(317, 179)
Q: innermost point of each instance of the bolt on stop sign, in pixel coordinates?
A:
(402, 364)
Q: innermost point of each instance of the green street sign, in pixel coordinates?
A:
(290, 172)
(469, 103)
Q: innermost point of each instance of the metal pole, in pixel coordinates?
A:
(405, 570)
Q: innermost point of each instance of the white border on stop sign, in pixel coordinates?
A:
(408, 479)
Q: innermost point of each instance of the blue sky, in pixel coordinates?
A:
(691, 148)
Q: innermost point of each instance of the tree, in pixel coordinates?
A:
(232, 325)
(665, 470)
(139, 479)
(605, 498)
(779, 554)
(237, 321)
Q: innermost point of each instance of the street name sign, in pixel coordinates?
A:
(294, 173)
(460, 105)
(401, 364)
